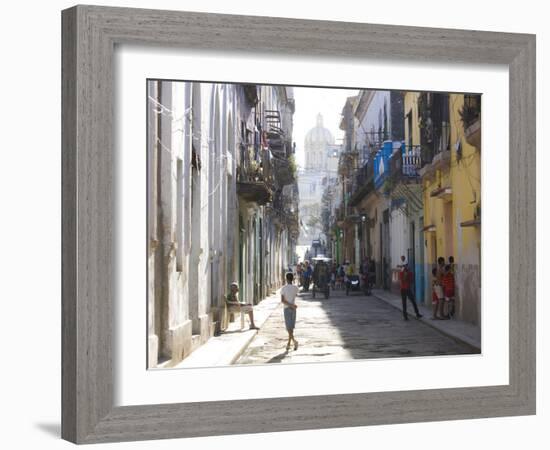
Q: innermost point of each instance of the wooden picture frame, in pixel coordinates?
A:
(89, 37)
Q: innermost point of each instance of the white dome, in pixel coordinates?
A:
(318, 135)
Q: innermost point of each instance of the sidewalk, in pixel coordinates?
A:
(225, 349)
(458, 330)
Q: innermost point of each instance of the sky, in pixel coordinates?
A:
(310, 102)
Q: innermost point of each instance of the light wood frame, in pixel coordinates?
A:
(89, 36)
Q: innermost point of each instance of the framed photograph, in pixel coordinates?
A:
(268, 230)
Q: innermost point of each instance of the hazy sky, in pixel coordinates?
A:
(310, 102)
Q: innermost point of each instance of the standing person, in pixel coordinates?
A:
(333, 273)
(288, 299)
(449, 291)
(372, 274)
(364, 267)
(437, 295)
(405, 281)
(452, 264)
(350, 269)
(299, 273)
(440, 274)
(403, 262)
(340, 276)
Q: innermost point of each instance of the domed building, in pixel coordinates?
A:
(321, 160)
(316, 146)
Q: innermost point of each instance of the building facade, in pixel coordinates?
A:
(409, 185)
(452, 193)
(321, 155)
(218, 163)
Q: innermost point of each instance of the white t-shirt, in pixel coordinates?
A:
(289, 291)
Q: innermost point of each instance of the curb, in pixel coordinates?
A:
(243, 348)
(246, 343)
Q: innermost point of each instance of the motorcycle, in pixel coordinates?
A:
(352, 283)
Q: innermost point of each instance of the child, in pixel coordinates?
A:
(449, 291)
(437, 294)
(288, 298)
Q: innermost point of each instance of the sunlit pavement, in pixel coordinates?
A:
(343, 328)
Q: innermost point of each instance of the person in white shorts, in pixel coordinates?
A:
(288, 299)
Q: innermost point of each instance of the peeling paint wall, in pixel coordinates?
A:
(450, 238)
(194, 245)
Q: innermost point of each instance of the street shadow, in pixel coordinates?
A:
(278, 358)
(369, 328)
(53, 429)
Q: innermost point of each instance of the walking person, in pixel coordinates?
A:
(307, 274)
(405, 281)
(288, 298)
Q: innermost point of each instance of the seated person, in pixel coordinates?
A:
(235, 305)
(350, 270)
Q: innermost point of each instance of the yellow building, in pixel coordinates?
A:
(449, 134)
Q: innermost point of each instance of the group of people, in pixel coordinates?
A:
(443, 289)
(304, 272)
(339, 273)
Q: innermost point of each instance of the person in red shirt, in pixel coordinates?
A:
(449, 291)
(405, 282)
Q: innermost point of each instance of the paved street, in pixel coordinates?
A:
(343, 328)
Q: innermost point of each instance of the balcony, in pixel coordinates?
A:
(405, 165)
(472, 134)
(362, 184)
(470, 115)
(431, 162)
(382, 163)
(405, 187)
(255, 178)
(284, 207)
(254, 191)
(283, 171)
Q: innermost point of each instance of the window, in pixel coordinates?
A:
(409, 130)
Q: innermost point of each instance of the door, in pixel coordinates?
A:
(449, 230)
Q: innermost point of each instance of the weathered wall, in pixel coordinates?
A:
(462, 175)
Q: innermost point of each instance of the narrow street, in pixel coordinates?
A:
(307, 179)
(346, 327)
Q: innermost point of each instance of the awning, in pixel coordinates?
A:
(442, 192)
(471, 223)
